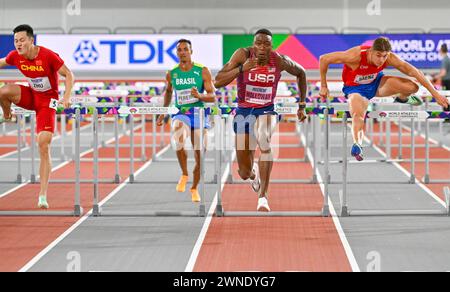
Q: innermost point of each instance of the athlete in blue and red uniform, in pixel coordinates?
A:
(258, 71)
(364, 79)
(41, 66)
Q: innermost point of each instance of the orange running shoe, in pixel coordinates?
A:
(181, 186)
(195, 196)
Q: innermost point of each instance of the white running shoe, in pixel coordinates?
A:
(42, 204)
(256, 183)
(263, 205)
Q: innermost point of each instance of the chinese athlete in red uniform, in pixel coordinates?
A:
(41, 67)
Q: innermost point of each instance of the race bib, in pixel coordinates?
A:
(53, 104)
(258, 95)
(365, 79)
(185, 97)
(40, 84)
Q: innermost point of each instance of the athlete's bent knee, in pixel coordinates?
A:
(245, 174)
(414, 88)
(266, 156)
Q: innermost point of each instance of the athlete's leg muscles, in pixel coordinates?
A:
(265, 127)
(195, 139)
(180, 134)
(358, 108)
(9, 94)
(402, 87)
(245, 155)
(44, 142)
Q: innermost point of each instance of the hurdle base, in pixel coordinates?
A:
(151, 214)
(280, 181)
(397, 213)
(143, 182)
(326, 211)
(275, 214)
(202, 210)
(438, 181)
(83, 181)
(192, 160)
(78, 211)
(38, 214)
(96, 211)
(219, 211)
(447, 199)
(371, 182)
(344, 211)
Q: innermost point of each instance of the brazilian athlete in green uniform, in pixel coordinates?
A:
(188, 80)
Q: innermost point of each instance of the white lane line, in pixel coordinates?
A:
(347, 248)
(38, 257)
(201, 238)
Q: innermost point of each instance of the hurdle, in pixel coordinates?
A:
(325, 212)
(23, 146)
(155, 159)
(78, 210)
(345, 211)
(85, 109)
(187, 146)
(389, 115)
(427, 179)
(291, 110)
(384, 130)
(97, 209)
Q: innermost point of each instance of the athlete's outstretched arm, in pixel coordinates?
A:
(231, 69)
(350, 56)
(412, 71)
(3, 63)
(167, 97)
(69, 81)
(210, 95)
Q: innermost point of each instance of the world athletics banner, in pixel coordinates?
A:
(421, 50)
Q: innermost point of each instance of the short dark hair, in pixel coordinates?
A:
(24, 27)
(185, 41)
(444, 48)
(263, 31)
(382, 44)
